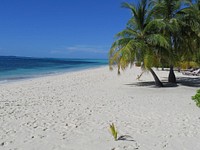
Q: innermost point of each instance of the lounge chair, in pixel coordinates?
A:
(188, 72)
(196, 72)
(192, 72)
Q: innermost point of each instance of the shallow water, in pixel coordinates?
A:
(17, 68)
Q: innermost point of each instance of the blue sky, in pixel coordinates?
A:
(60, 28)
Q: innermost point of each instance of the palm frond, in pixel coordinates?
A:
(157, 24)
(157, 40)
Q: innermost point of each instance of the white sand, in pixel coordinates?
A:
(72, 112)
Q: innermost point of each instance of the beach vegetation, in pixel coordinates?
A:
(113, 131)
(196, 98)
(188, 64)
(159, 33)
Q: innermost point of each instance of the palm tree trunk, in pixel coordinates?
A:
(158, 83)
(171, 77)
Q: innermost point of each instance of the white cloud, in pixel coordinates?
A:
(87, 48)
(81, 51)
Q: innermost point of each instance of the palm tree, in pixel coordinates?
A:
(190, 19)
(182, 20)
(166, 11)
(185, 38)
(138, 42)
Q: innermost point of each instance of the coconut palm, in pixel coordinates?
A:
(190, 19)
(181, 28)
(186, 40)
(166, 11)
(138, 42)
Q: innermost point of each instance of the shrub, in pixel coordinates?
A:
(196, 98)
(188, 64)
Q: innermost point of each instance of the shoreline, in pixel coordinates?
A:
(60, 72)
(73, 111)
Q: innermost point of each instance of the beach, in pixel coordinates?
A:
(73, 111)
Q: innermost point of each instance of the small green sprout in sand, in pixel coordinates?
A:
(196, 98)
(113, 131)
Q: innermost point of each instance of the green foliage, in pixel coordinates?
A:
(196, 98)
(188, 64)
(113, 131)
(150, 60)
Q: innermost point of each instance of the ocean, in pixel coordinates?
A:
(14, 68)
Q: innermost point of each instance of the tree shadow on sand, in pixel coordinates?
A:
(183, 81)
(189, 81)
(151, 84)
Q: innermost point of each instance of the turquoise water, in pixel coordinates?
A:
(17, 68)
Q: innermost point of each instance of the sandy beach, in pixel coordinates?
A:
(73, 111)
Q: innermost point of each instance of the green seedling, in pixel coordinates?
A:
(196, 98)
(113, 131)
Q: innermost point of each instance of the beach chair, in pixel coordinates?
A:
(188, 72)
(196, 72)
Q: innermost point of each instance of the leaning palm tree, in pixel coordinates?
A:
(138, 42)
